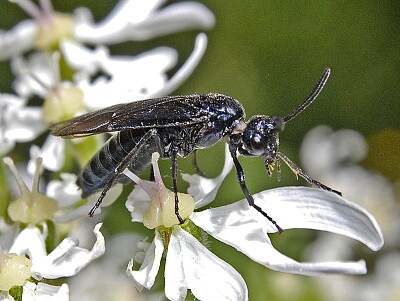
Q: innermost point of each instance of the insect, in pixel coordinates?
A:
(176, 126)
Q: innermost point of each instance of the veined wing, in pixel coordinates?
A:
(152, 113)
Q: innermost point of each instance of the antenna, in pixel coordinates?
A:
(311, 97)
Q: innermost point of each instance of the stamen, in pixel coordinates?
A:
(20, 182)
(30, 8)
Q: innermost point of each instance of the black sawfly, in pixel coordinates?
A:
(175, 126)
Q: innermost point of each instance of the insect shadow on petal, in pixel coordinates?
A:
(176, 126)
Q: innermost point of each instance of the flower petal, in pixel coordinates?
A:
(186, 70)
(138, 203)
(147, 273)
(31, 242)
(296, 207)
(45, 292)
(190, 265)
(304, 207)
(65, 192)
(204, 189)
(67, 259)
(82, 211)
(19, 123)
(52, 153)
(18, 39)
(137, 21)
(35, 74)
(129, 77)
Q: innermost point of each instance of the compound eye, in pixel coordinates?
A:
(258, 144)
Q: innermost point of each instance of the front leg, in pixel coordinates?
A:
(241, 179)
(174, 169)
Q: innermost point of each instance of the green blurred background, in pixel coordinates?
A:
(269, 55)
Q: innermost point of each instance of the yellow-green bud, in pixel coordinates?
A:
(162, 210)
(49, 37)
(62, 104)
(14, 270)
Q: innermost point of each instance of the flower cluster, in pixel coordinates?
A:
(64, 66)
(190, 265)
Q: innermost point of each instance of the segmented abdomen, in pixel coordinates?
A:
(101, 167)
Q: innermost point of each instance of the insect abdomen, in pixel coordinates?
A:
(101, 168)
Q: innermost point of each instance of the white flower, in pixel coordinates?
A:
(46, 29)
(190, 265)
(18, 122)
(66, 260)
(133, 77)
(120, 248)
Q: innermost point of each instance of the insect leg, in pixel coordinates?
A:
(121, 167)
(242, 183)
(197, 170)
(174, 160)
(298, 172)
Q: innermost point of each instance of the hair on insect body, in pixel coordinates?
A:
(176, 126)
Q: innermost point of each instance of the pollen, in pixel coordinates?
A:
(14, 270)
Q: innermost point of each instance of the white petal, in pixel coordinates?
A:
(8, 233)
(239, 229)
(132, 20)
(303, 207)
(157, 60)
(26, 125)
(245, 229)
(18, 39)
(171, 19)
(190, 265)
(138, 203)
(65, 192)
(148, 271)
(125, 12)
(187, 68)
(20, 123)
(5, 145)
(204, 189)
(82, 211)
(130, 78)
(45, 292)
(81, 57)
(31, 242)
(67, 259)
(52, 153)
(34, 74)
